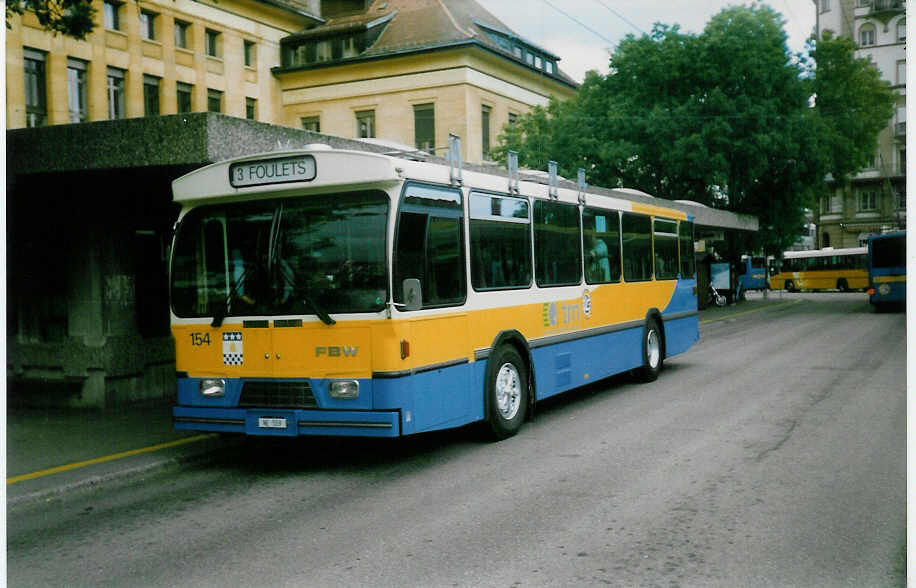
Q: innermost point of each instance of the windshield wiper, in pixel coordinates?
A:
(319, 312)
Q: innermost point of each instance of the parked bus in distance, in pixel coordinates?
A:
(887, 269)
(752, 274)
(822, 269)
(331, 292)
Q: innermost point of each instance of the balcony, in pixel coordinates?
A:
(876, 7)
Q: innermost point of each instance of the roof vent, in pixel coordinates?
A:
(319, 147)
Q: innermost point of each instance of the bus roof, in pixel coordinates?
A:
(824, 252)
(318, 168)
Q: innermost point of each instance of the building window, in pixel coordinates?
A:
(485, 131)
(836, 204)
(424, 124)
(901, 198)
(901, 30)
(868, 200)
(901, 73)
(77, 94)
(182, 33)
(212, 42)
(513, 118)
(311, 123)
(901, 162)
(365, 124)
(183, 92)
(825, 5)
(251, 108)
(112, 16)
(867, 35)
(150, 95)
(250, 55)
(214, 101)
(148, 25)
(550, 67)
(825, 240)
(116, 107)
(36, 95)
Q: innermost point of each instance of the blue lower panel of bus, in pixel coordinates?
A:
(893, 292)
(562, 366)
(401, 404)
(288, 422)
(681, 334)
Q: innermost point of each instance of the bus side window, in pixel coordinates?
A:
(637, 247)
(557, 244)
(601, 234)
(664, 236)
(429, 245)
(685, 242)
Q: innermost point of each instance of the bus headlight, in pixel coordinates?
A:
(347, 389)
(213, 388)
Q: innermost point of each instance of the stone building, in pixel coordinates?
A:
(875, 200)
(407, 71)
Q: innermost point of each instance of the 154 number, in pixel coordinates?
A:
(198, 339)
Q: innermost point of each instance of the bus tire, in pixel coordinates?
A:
(842, 285)
(653, 352)
(790, 286)
(506, 392)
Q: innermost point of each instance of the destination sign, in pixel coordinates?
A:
(272, 171)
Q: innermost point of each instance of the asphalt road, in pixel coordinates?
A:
(771, 454)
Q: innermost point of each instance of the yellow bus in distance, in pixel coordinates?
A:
(822, 269)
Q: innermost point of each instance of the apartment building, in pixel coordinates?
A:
(875, 200)
(409, 72)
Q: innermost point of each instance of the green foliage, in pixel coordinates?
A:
(852, 102)
(723, 118)
(73, 18)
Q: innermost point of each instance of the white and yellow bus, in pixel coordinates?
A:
(822, 269)
(330, 292)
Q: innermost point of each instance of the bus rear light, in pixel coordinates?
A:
(871, 291)
(346, 389)
(213, 388)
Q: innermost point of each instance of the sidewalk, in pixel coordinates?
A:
(50, 451)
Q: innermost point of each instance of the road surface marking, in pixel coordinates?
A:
(734, 314)
(89, 462)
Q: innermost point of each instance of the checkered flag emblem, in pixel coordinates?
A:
(232, 349)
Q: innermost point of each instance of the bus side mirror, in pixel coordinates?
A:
(413, 294)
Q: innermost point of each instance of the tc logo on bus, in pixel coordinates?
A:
(566, 315)
(336, 351)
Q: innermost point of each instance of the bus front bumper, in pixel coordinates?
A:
(288, 422)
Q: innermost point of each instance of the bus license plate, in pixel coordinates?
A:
(271, 423)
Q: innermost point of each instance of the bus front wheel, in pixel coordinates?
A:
(842, 285)
(653, 356)
(790, 286)
(507, 392)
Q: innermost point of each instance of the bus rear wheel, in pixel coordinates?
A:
(653, 355)
(842, 285)
(790, 286)
(506, 393)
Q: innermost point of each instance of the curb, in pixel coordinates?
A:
(194, 457)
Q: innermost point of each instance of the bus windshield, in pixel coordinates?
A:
(317, 255)
(888, 252)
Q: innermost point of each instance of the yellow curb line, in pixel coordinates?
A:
(728, 316)
(89, 462)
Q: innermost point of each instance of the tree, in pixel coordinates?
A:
(723, 118)
(852, 103)
(73, 18)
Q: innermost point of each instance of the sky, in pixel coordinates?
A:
(586, 44)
